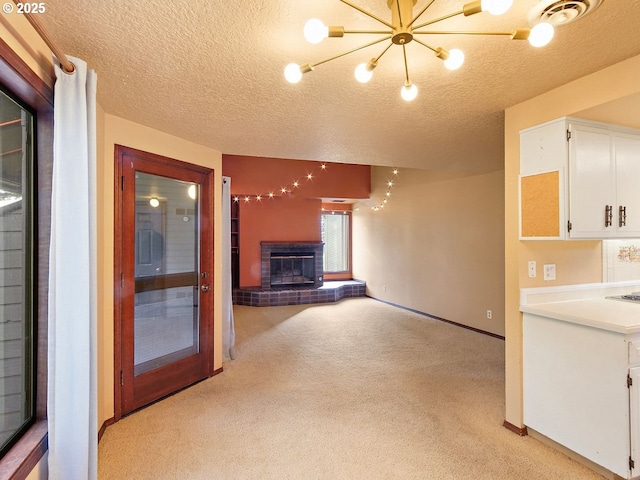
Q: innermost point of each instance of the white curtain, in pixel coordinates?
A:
(72, 356)
(228, 328)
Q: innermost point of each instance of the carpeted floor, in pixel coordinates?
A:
(352, 390)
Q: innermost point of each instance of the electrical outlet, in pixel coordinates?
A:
(532, 269)
(550, 271)
(489, 314)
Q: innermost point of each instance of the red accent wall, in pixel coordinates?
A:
(294, 216)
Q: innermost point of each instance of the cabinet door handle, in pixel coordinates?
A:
(608, 215)
(622, 216)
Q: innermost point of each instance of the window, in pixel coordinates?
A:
(17, 341)
(34, 96)
(336, 235)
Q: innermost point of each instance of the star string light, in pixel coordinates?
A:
(387, 194)
(287, 188)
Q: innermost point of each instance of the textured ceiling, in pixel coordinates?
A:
(211, 72)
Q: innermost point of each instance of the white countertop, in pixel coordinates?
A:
(586, 305)
(603, 313)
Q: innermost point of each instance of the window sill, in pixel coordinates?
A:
(328, 276)
(18, 463)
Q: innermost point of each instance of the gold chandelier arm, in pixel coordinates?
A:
(463, 33)
(350, 51)
(431, 22)
(371, 32)
(435, 50)
(420, 14)
(406, 67)
(383, 52)
(384, 22)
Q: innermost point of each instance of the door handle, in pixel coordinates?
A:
(204, 288)
(608, 215)
(622, 216)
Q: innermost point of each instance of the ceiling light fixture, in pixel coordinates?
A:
(402, 30)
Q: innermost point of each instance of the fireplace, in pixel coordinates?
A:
(291, 265)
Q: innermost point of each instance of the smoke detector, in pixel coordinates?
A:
(561, 12)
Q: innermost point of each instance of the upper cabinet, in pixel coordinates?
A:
(579, 179)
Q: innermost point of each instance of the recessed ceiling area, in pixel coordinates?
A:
(212, 73)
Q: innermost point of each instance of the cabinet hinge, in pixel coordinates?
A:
(629, 381)
(122, 280)
(632, 464)
(568, 134)
(121, 378)
(569, 226)
(122, 182)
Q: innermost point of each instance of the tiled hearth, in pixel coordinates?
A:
(330, 292)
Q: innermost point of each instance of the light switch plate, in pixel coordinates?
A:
(550, 271)
(532, 269)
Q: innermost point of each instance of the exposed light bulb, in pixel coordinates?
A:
(192, 192)
(154, 202)
(541, 34)
(455, 60)
(496, 7)
(292, 73)
(258, 197)
(323, 167)
(315, 31)
(363, 75)
(409, 92)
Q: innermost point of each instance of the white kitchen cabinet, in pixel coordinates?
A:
(575, 389)
(579, 180)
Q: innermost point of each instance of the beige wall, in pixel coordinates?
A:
(437, 247)
(17, 32)
(118, 131)
(596, 96)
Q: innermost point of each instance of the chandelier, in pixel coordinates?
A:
(403, 29)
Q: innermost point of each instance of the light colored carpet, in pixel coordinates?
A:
(352, 390)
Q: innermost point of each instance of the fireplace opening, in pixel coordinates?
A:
(291, 265)
(292, 269)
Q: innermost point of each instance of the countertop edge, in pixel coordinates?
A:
(551, 310)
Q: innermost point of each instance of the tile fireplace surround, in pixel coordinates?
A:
(269, 248)
(317, 291)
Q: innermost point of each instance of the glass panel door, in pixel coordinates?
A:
(166, 324)
(164, 336)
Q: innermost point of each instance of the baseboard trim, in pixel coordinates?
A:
(484, 332)
(607, 474)
(522, 431)
(108, 422)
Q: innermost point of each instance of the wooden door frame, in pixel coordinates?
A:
(119, 152)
